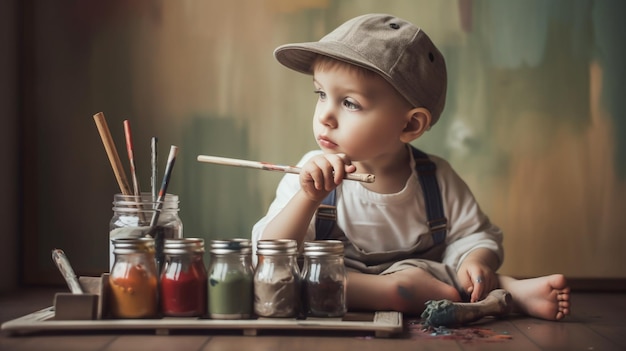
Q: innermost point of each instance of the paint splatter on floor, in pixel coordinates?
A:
(417, 330)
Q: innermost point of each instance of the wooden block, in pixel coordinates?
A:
(103, 307)
(68, 306)
(91, 285)
(97, 286)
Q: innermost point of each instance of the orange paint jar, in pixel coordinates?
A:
(133, 279)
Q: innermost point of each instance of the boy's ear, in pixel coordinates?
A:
(418, 121)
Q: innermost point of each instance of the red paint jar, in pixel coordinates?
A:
(184, 278)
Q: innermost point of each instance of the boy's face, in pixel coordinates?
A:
(357, 113)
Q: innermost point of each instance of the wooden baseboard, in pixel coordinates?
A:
(597, 284)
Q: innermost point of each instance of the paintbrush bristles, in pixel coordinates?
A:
(366, 178)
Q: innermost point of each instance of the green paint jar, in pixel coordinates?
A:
(230, 279)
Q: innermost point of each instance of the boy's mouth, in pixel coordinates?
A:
(326, 143)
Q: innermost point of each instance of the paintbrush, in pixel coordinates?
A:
(367, 178)
(131, 157)
(64, 266)
(111, 151)
(154, 167)
(156, 233)
(164, 184)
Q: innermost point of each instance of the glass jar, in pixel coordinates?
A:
(277, 279)
(132, 216)
(133, 279)
(230, 279)
(324, 279)
(184, 278)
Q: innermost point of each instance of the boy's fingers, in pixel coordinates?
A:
(315, 175)
(474, 285)
(345, 160)
(478, 290)
(338, 164)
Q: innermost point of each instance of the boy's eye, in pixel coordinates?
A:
(322, 95)
(350, 105)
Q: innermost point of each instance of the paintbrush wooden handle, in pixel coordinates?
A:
(111, 151)
(367, 178)
(131, 157)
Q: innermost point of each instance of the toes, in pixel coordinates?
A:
(565, 291)
(562, 296)
(563, 307)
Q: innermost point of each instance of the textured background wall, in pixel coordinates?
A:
(9, 181)
(534, 122)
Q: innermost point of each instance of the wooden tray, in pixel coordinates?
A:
(382, 324)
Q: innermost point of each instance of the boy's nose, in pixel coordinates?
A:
(327, 117)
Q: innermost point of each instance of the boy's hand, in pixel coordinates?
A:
(477, 279)
(322, 173)
(476, 274)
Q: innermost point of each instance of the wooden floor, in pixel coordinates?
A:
(598, 322)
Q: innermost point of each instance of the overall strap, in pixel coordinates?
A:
(426, 173)
(326, 216)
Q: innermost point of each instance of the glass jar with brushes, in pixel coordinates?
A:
(132, 216)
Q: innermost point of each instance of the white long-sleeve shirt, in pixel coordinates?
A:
(376, 222)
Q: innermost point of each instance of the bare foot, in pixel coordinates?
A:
(544, 297)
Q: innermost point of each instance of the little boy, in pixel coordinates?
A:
(412, 235)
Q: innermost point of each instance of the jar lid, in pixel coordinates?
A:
(323, 248)
(133, 245)
(179, 246)
(230, 246)
(277, 247)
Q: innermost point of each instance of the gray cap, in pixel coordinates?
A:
(397, 50)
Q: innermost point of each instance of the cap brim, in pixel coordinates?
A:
(300, 56)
